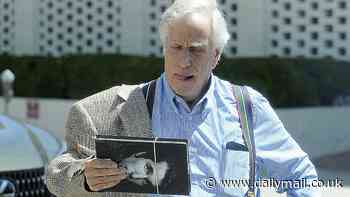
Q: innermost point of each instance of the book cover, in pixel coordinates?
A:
(154, 165)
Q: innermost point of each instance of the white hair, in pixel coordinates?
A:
(180, 8)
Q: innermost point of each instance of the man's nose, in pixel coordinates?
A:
(186, 59)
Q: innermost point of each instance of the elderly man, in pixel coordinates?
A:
(189, 103)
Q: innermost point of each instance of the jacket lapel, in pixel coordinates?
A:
(133, 112)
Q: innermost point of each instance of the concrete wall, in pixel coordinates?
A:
(319, 131)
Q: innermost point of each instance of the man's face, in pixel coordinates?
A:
(189, 55)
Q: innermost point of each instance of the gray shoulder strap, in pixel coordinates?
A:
(244, 107)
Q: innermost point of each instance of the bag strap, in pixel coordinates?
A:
(148, 92)
(244, 107)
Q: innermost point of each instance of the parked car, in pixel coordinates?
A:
(25, 151)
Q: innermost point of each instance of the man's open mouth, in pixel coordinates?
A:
(184, 77)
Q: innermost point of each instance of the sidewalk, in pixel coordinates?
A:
(324, 175)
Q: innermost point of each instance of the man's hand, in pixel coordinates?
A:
(102, 174)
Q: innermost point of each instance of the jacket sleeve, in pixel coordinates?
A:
(65, 173)
(278, 153)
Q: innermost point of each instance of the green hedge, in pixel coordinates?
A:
(286, 82)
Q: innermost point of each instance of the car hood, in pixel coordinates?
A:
(23, 146)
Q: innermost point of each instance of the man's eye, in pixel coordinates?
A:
(196, 49)
(177, 47)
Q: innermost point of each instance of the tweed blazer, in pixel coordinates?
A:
(119, 111)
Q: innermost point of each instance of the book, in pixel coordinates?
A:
(154, 165)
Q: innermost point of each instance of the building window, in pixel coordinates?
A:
(314, 36)
(152, 42)
(79, 10)
(69, 4)
(233, 21)
(301, 43)
(342, 51)
(99, 23)
(59, 23)
(59, 11)
(89, 4)
(99, 10)
(99, 36)
(274, 43)
(69, 17)
(69, 42)
(234, 50)
(153, 29)
(342, 36)
(287, 36)
(342, 5)
(314, 51)
(287, 21)
(6, 42)
(59, 36)
(329, 13)
(153, 3)
(88, 42)
(234, 7)
(329, 28)
(49, 4)
(287, 6)
(89, 29)
(301, 28)
(110, 16)
(49, 30)
(314, 20)
(99, 50)
(79, 36)
(109, 43)
(110, 4)
(50, 17)
(152, 16)
(329, 43)
(275, 14)
(79, 49)
(162, 8)
(79, 23)
(234, 36)
(59, 49)
(314, 5)
(302, 13)
(110, 29)
(274, 28)
(223, 2)
(286, 51)
(342, 20)
(49, 42)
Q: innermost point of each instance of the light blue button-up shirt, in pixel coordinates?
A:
(212, 121)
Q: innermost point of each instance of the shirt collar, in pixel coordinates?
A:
(180, 106)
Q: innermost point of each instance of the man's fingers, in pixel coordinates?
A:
(100, 163)
(101, 183)
(116, 178)
(96, 172)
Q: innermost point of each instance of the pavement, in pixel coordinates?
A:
(324, 174)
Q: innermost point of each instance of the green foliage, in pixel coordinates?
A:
(285, 82)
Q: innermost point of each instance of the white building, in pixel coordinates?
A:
(259, 28)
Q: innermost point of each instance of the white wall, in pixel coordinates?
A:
(25, 28)
(318, 131)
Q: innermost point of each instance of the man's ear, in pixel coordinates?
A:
(216, 58)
